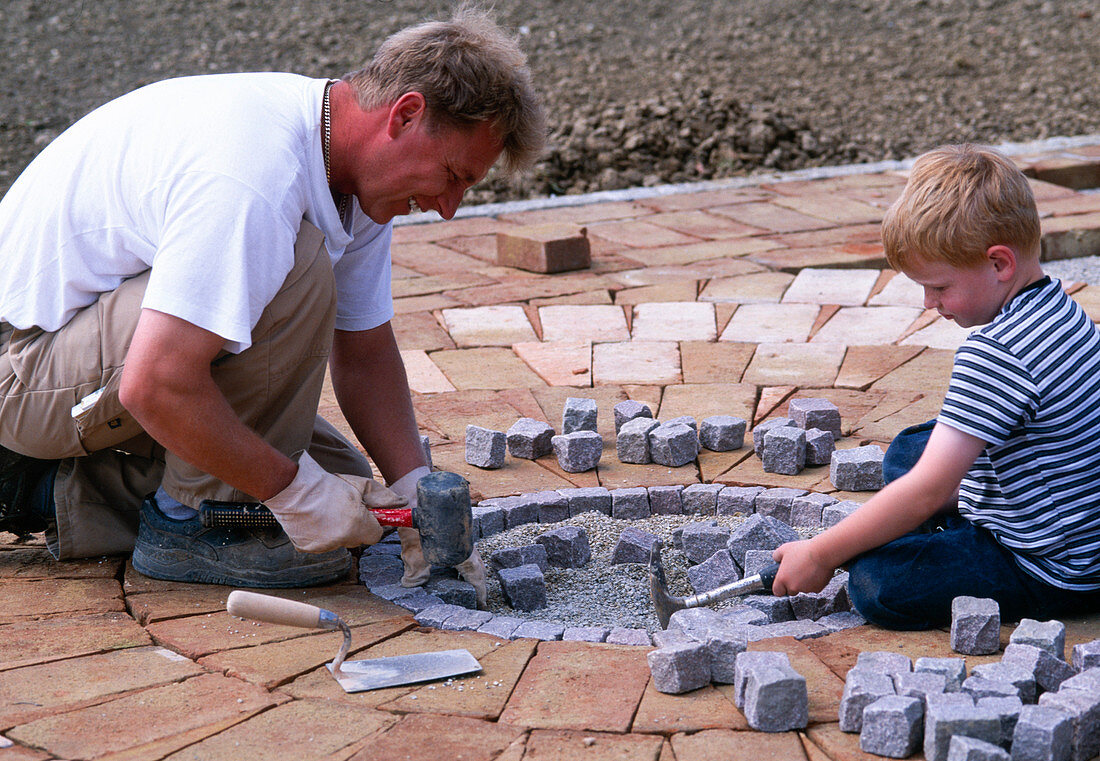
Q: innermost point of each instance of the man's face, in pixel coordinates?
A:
(430, 170)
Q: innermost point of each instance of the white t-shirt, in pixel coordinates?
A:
(205, 180)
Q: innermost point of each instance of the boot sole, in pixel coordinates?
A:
(198, 570)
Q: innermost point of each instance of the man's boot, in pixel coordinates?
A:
(26, 493)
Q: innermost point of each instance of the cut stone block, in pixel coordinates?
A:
(1087, 681)
(758, 532)
(920, 684)
(861, 688)
(944, 719)
(1042, 734)
(622, 636)
(578, 414)
(776, 699)
(588, 499)
(857, 469)
(722, 433)
(566, 547)
(979, 687)
(1086, 655)
(467, 621)
(778, 502)
(724, 643)
(832, 599)
(952, 669)
(1083, 709)
(632, 441)
(1015, 674)
(489, 519)
(834, 514)
(701, 499)
(975, 625)
(806, 510)
(524, 587)
(760, 431)
(962, 748)
(500, 626)
(551, 505)
(784, 451)
(713, 572)
(630, 410)
(892, 726)
(418, 601)
(453, 591)
(673, 445)
(777, 609)
(820, 446)
(634, 546)
(841, 620)
(1049, 672)
(885, 662)
(687, 420)
(1008, 711)
(815, 413)
(529, 439)
(437, 615)
(744, 615)
(485, 447)
(680, 667)
(586, 634)
(671, 638)
(578, 452)
(1045, 635)
(796, 629)
(700, 540)
(738, 500)
(747, 662)
(755, 560)
(630, 504)
(544, 248)
(514, 557)
(547, 631)
(695, 622)
(666, 500)
(518, 511)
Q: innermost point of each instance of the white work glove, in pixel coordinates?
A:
(416, 567)
(472, 569)
(321, 511)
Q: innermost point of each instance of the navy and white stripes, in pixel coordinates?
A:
(1029, 385)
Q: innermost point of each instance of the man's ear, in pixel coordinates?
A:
(1003, 259)
(406, 113)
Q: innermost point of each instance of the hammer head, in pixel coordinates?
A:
(663, 602)
(444, 517)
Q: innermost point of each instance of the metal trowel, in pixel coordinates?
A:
(353, 676)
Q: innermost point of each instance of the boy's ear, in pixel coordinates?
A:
(1003, 259)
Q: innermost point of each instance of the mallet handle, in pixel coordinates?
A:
(393, 516)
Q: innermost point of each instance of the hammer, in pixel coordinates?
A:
(442, 514)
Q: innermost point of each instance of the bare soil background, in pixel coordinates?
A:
(640, 92)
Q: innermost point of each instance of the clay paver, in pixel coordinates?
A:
(707, 708)
(28, 599)
(559, 363)
(771, 323)
(866, 325)
(656, 362)
(845, 287)
(593, 746)
(807, 365)
(590, 323)
(729, 745)
(674, 321)
(28, 642)
(423, 374)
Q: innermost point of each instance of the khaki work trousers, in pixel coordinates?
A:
(108, 464)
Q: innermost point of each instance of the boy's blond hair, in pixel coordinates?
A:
(960, 201)
(468, 70)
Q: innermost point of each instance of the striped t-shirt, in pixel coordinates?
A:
(1028, 383)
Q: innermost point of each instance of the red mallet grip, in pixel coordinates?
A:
(397, 516)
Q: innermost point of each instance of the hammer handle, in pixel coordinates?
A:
(393, 516)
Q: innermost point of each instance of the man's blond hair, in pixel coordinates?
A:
(960, 201)
(469, 71)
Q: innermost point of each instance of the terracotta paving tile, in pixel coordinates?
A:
(830, 236)
(485, 368)
(709, 707)
(704, 199)
(899, 291)
(14, 752)
(424, 303)
(863, 365)
(891, 403)
(639, 234)
(617, 475)
(588, 478)
(420, 330)
(832, 208)
(272, 664)
(37, 563)
(423, 375)
(579, 214)
(748, 289)
(1070, 236)
(844, 287)
(1046, 191)
(429, 736)
(728, 745)
(530, 288)
(558, 745)
(650, 395)
(451, 413)
(770, 399)
(177, 602)
(792, 364)
(488, 326)
(167, 717)
(846, 256)
(576, 299)
(824, 688)
(516, 477)
(701, 270)
(25, 643)
(414, 233)
(562, 690)
(853, 405)
(523, 401)
(397, 272)
(721, 362)
(701, 400)
(880, 197)
(689, 253)
(27, 599)
(680, 290)
(702, 225)
(674, 321)
(839, 746)
(928, 372)
(431, 259)
(1082, 203)
(480, 696)
(771, 323)
(750, 472)
(1089, 299)
(559, 363)
(583, 323)
(925, 408)
(941, 334)
(32, 692)
(770, 216)
(1069, 171)
(481, 247)
(552, 402)
(714, 464)
(840, 183)
(867, 325)
(649, 362)
(432, 284)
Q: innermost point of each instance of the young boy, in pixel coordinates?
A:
(1003, 501)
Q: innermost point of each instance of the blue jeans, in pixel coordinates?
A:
(909, 583)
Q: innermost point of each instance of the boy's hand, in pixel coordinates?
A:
(800, 570)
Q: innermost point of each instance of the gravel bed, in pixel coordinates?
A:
(601, 594)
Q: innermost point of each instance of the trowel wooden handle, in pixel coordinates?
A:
(276, 610)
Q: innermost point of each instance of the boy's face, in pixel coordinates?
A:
(970, 296)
